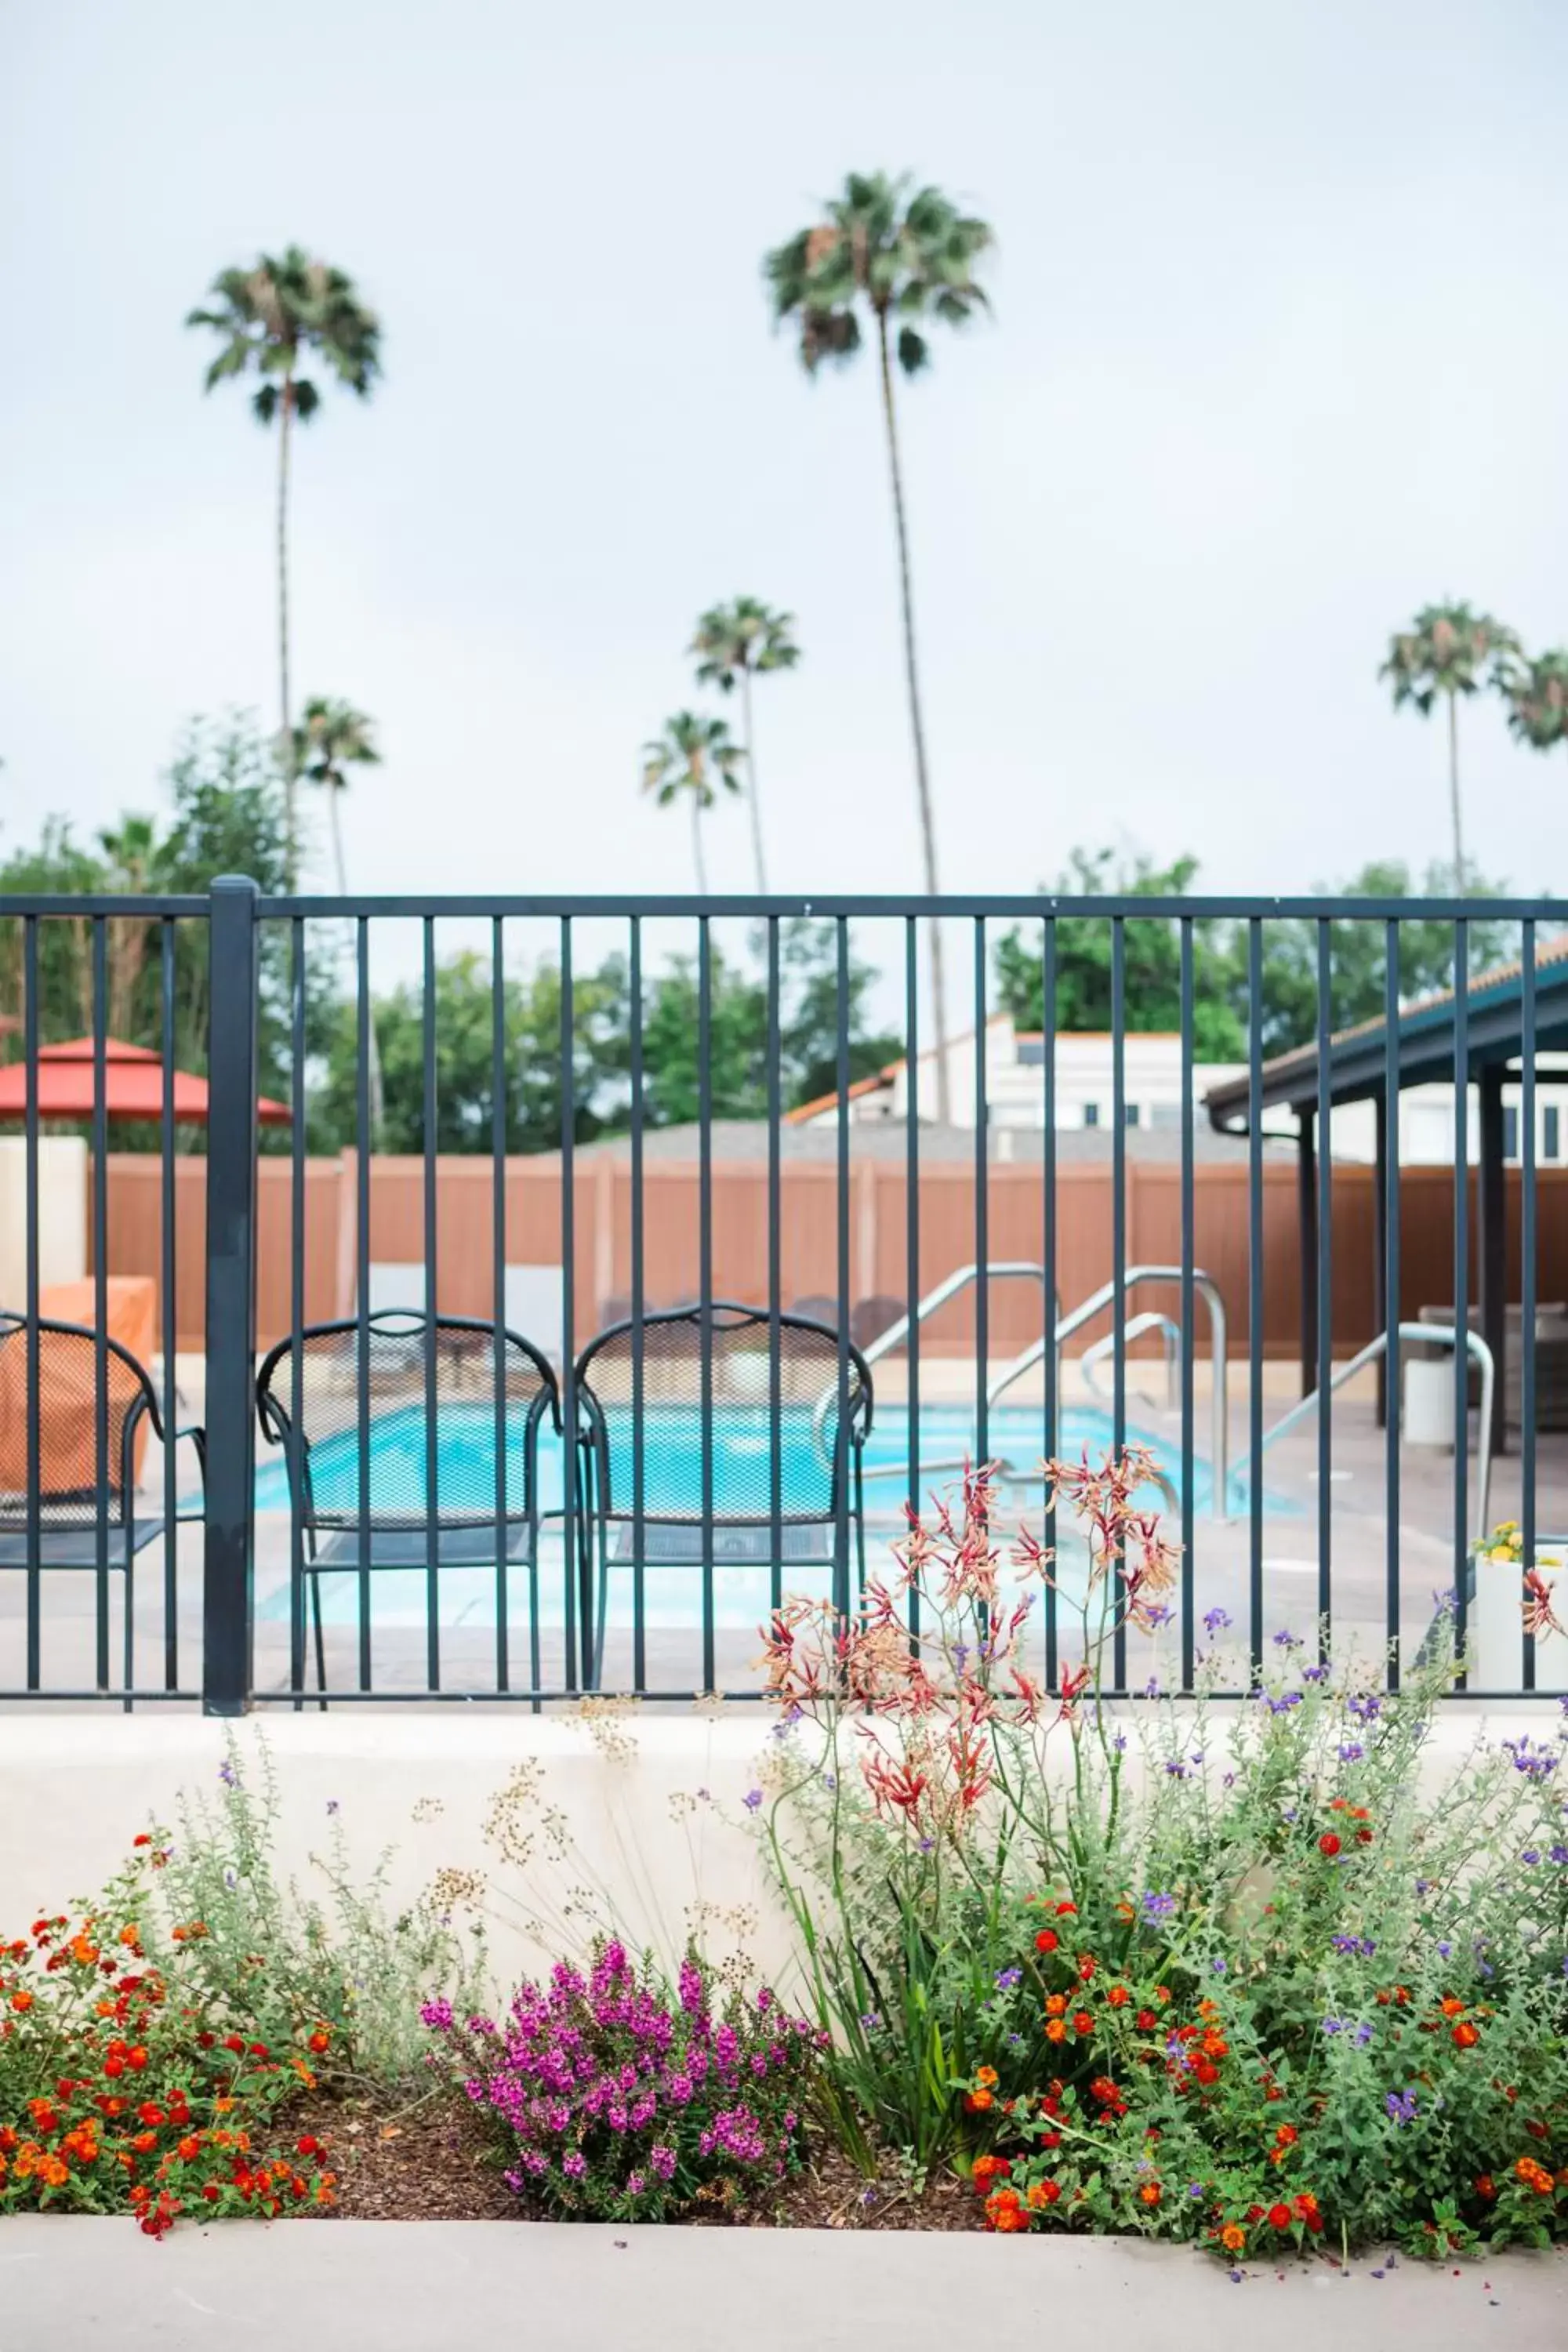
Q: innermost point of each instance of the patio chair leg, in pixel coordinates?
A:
(129, 1629)
(321, 1643)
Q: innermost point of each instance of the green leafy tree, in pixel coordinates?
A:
(129, 849)
(465, 1094)
(732, 643)
(1448, 651)
(693, 760)
(275, 317)
(1152, 957)
(59, 866)
(904, 255)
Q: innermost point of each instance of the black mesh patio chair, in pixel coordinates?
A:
(817, 1474)
(392, 1526)
(74, 1483)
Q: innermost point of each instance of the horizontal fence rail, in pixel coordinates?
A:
(503, 1300)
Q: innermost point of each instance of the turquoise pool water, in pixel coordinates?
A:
(673, 1485)
(672, 1457)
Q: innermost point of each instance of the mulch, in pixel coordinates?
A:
(432, 2156)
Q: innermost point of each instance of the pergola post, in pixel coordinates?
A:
(1492, 1214)
(1307, 1216)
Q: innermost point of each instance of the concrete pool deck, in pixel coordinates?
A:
(420, 2286)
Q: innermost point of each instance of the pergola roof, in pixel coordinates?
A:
(1492, 1011)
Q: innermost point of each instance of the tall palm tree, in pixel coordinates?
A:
(331, 738)
(1448, 650)
(273, 316)
(733, 642)
(903, 253)
(1536, 692)
(693, 760)
(130, 848)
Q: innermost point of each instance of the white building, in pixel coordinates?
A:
(1015, 1081)
(1085, 1095)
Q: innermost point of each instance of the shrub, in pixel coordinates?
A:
(124, 2085)
(285, 1958)
(615, 2100)
(1240, 1982)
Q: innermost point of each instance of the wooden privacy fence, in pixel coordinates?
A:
(808, 1237)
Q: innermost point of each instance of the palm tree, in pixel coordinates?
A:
(332, 738)
(1450, 650)
(695, 757)
(732, 641)
(1536, 693)
(271, 317)
(904, 253)
(130, 848)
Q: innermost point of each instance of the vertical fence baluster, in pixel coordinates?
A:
(776, 1424)
(1325, 1227)
(499, 1384)
(366, 1141)
(579, 1570)
(1255, 1294)
(297, 1315)
(35, 1417)
(705, 1274)
(1461, 1286)
(1189, 1310)
(841, 1436)
(913, 1235)
(230, 1414)
(1049, 1256)
(1527, 1270)
(106, 1471)
(430, 1114)
(982, 1210)
(1391, 1288)
(168, 1303)
(1118, 1233)
(639, 1311)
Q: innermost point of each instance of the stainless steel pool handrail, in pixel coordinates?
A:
(1097, 1350)
(1442, 1335)
(949, 1287)
(1096, 1303)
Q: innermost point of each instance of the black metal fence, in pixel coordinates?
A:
(447, 1504)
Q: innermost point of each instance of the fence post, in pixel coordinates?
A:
(231, 1299)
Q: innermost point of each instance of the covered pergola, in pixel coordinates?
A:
(1495, 1031)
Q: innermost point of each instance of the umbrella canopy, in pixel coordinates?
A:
(132, 1085)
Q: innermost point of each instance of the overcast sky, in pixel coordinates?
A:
(1280, 352)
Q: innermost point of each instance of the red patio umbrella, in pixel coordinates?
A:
(132, 1085)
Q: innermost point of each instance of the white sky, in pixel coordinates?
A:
(1280, 352)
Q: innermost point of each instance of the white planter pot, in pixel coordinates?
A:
(1496, 1627)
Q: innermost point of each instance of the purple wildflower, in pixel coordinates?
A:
(752, 1799)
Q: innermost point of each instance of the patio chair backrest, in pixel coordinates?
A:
(71, 1472)
(734, 1343)
(402, 1356)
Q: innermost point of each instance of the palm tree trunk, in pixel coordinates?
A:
(757, 857)
(372, 1054)
(922, 781)
(1454, 794)
(697, 846)
(286, 737)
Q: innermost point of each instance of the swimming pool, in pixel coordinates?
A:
(672, 1457)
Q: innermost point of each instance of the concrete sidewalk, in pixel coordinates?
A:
(421, 2286)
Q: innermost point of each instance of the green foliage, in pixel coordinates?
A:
(1536, 692)
(742, 636)
(1221, 1009)
(905, 252)
(281, 308)
(1449, 649)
